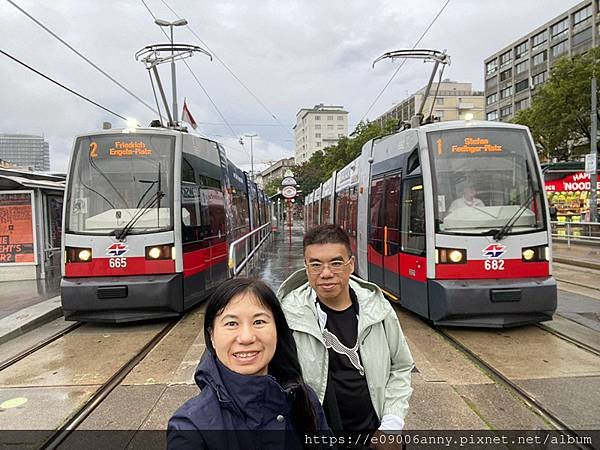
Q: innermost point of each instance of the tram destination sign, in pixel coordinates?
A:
(288, 191)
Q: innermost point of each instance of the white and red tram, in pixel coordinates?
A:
(148, 217)
(451, 220)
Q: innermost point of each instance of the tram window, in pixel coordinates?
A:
(325, 210)
(391, 218)
(375, 215)
(190, 212)
(352, 211)
(413, 162)
(413, 217)
(187, 171)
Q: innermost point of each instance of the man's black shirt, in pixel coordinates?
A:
(347, 401)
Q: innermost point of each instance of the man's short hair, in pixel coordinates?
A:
(327, 234)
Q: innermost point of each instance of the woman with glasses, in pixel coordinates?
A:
(252, 391)
(351, 348)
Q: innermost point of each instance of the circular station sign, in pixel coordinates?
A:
(288, 181)
(288, 192)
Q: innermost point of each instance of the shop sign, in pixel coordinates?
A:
(575, 182)
(16, 228)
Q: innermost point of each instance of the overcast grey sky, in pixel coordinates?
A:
(290, 53)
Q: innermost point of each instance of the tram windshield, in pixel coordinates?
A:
(121, 184)
(485, 180)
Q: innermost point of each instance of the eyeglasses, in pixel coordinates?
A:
(334, 266)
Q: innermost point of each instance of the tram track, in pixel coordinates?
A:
(593, 350)
(38, 346)
(529, 400)
(60, 435)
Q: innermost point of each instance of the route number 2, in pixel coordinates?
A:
(117, 263)
(494, 264)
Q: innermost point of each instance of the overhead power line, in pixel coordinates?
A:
(404, 61)
(195, 77)
(260, 102)
(62, 85)
(95, 66)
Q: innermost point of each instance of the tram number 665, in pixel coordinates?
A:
(117, 263)
(494, 264)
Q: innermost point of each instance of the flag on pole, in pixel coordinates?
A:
(186, 116)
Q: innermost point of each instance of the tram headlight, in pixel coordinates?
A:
(535, 254)
(450, 256)
(154, 252)
(78, 254)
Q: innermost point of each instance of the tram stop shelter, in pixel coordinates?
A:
(30, 224)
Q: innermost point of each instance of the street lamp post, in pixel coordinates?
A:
(177, 23)
(251, 136)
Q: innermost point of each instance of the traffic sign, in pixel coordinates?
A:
(590, 163)
(288, 181)
(288, 192)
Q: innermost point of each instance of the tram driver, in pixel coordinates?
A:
(468, 199)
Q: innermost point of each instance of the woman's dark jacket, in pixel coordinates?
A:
(235, 411)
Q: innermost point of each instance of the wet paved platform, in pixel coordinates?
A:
(17, 295)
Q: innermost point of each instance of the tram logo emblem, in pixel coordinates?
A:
(117, 249)
(494, 251)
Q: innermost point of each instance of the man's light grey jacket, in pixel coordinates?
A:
(383, 349)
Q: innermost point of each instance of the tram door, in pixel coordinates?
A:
(384, 235)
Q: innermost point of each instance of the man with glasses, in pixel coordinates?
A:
(350, 344)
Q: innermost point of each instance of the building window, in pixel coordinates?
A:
(491, 83)
(317, 144)
(521, 50)
(506, 111)
(439, 114)
(522, 104)
(439, 101)
(340, 135)
(522, 67)
(560, 48)
(340, 127)
(539, 38)
(581, 37)
(559, 27)
(491, 67)
(317, 135)
(317, 127)
(329, 117)
(505, 59)
(330, 127)
(317, 117)
(582, 14)
(539, 78)
(492, 115)
(340, 117)
(505, 93)
(540, 58)
(507, 74)
(522, 85)
(490, 99)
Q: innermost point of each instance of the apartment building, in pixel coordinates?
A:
(513, 73)
(317, 128)
(454, 101)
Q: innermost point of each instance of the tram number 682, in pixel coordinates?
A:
(494, 264)
(117, 263)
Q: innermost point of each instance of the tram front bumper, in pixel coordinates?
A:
(492, 303)
(122, 299)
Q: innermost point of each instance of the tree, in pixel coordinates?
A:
(560, 112)
(273, 186)
(321, 165)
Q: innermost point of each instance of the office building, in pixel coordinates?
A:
(513, 73)
(25, 150)
(454, 101)
(318, 128)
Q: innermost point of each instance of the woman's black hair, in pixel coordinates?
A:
(284, 366)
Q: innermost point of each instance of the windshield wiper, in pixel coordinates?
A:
(511, 222)
(150, 203)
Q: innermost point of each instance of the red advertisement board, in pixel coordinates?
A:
(575, 182)
(16, 228)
